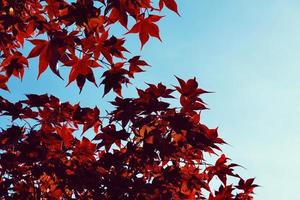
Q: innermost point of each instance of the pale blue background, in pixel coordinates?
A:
(248, 52)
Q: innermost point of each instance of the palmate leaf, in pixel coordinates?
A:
(114, 77)
(3, 82)
(146, 27)
(14, 65)
(48, 55)
(81, 70)
(171, 4)
(135, 65)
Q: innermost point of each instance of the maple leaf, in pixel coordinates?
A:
(84, 150)
(66, 134)
(14, 65)
(159, 91)
(53, 50)
(171, 4)
(35, 100)
(88, 117)
(53, 6)
(144, 134)
(102, 45)
(146, 28)
(11, 136)
(110, 136)
(114, 47)
(189, 88)
(134, 65)
(247, 185)
(189, 98)
(117, 12)
(150, 102)
(48, 55)
(121, 9)
(114, 77)
(222, 169)
(212, 134)
(95, 23)
(81, 70)
(80, 13)
(3, 81)
(125, 110)
(223, 193)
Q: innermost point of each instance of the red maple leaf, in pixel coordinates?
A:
(3, 81)
(114, 78)
(110, 136)
(65, 133)
(48, 55)
(171, 4)
(84, 150)
(102, 45)
(146, 28)
(247, 185)
(81, 70)
(53, 50)
(14, 65)
(134, 65)
(121, 9)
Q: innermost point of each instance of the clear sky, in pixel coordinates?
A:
(248, 53)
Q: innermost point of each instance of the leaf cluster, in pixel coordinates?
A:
(144, 148)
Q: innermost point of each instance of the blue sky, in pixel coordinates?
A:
(248, 53)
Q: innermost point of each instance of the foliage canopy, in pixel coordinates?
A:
(143, 149)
